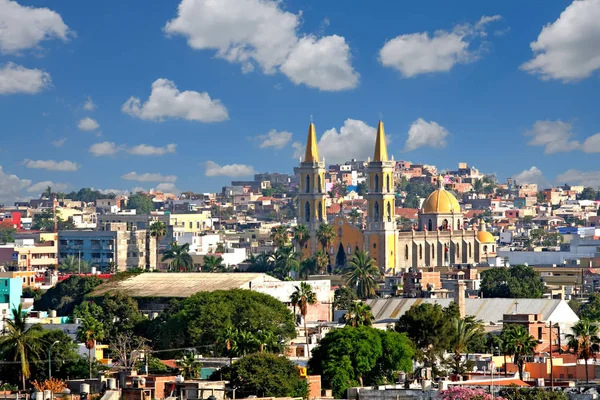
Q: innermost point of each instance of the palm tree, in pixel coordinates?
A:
(284, 260)
(301, 237)
(179, 256)
(584, 341)
(307, 267)
(361, 273)
(260, 263)
(301, 298)
(464, 331)
(321, 260)
(359, 314)
(213, 264)
(325, 235)
(269, 342)
(279, 236)
(189, 366)
(501, 342)
(521, 344)
(20, 342)
(478, 186)
(245, 343)
(158, 229)
(112, 267)
(354, 215)
(89, 332)
(73, 265)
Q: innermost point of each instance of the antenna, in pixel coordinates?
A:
(311, 119)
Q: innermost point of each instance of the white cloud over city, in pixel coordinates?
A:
(425, 134)
(274, 139)
(41, 186)
(149, 177)
(231, 170)
(261, 34)
(577, 177)
(532, 175)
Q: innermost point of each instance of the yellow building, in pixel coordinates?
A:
(36, 256)
(439, 240)
(193, 222)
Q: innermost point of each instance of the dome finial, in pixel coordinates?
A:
(441, 182)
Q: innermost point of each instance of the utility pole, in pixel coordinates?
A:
(551, 363)
(50, 359)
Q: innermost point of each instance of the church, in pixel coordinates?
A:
(441, 238)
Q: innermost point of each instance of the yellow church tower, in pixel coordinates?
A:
(380, 234)
(311, 196)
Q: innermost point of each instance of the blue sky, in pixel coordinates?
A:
(190, 95)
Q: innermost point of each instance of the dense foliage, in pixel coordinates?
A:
(511, 393)
(66, 295)
(140, 202)
(89, 195)
(7, 232)
(343, 298)
(202, 319)
(264, 375)
(44, 221)
(517, 281)
(351, 356)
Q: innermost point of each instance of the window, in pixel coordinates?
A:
(432, 251)
(485, 249)
(349, 250)
(420, 252)
(457, 251)
(539, 333)
(141, 254)
(307, 211)
(307, 184)
(389, 212)
(430, 225)
(320, 185)
(376, 183)
(458, 224)
(197, 224)
(376, 211)
(387, 183)
(469, 250)
(191, 225)
(406, 252)
(374, 245)
(320, 212)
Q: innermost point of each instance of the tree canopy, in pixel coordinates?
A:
(89, 195)
(7, 232)
(351, 356)
(201, 319)
(264, 375)
(140, 202)
(65, 295)
(517, 281)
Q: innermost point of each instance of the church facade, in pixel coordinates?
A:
(440, 239)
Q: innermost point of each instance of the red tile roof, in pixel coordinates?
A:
(410, 213)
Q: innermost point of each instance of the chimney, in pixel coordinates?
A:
(459, 297)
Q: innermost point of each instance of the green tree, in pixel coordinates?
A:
(63, 354)
(517, 281)
(354, 215)
(340, 258)
(158, 229)
(260, 263)
(321, 260)
(520, 344)
(344, 297)
(88, 195)
(67, 294)
(179, 257)
(589, 310)
(21, 342)
(280, 236)
(362, 273)
(213, 264)
(72, 265)
(7, 232)
(301, 236)
(264, 375)
(302, 297)
(411, 201)
(283, 261)
(588, 193)
(584, 342)
(360, 356)
(326, 235)
(31, 293)
(141, 203)
(359, 314)
(220, 248)
(538, 393)
(478, 186)
(362, 189)
(307, 267)
(202, 319)
(189, 366)
(90, 331)
(464, 333)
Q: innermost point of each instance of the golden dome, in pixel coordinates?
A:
(441, 202)
(485, 237)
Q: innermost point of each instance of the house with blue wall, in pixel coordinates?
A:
(11, 290)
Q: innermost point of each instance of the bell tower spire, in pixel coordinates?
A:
(312, 151)
(381, 153)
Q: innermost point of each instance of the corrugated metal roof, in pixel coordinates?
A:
(180, 284)
(490, 310)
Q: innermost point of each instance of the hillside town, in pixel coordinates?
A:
(401, 278)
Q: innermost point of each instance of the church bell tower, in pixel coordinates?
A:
(311, 196)
(381, 221)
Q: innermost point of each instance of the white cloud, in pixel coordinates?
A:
(59, 142)
(104, 149)
(425, 134)
(569, 48)
(260, 32)
(355, 139)
(88, 124)
(147, 150)
(277, 140)
(419, 53)
(166, 101)
(41, 186)
(52, 165)
(24, 27)
(134, 176)
(89, 104)
(18, 79)
(592, 144)
(11, 186)
(167, 188)
(323, 63)
(232, 170)
(532, 175)
(554, 136)
(576, 177)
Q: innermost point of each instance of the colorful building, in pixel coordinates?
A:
(11, 291)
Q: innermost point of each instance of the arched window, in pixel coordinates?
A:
(191, 224)
(198, 224)
(374, 245)
(420, 252)
(430, 225)
(349, 251)
(320, 212)
(307, 183)
(469, 250)
(445, 225)
(457, 251)
(320, 184)
(493, 249)
(387, 183)
(406, 252)
(485, 248)
(376, 183)
(389, 212)
(376, 211)
(458, 225)
(432, 251)
(307, 211)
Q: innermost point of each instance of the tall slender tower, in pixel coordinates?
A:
(311, 197)
(381, 222)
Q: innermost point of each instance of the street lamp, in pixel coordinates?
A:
(50, 359)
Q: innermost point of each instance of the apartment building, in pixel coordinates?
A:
(127, 248)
